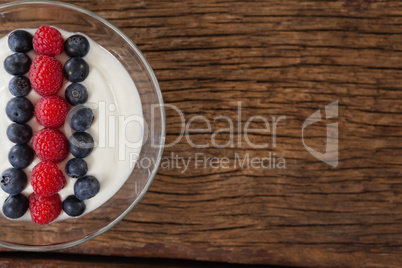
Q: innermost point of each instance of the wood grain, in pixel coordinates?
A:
(52, 260)
(278, 58)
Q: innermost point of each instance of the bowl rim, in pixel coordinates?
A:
(162, 137)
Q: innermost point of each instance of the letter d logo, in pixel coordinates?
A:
(330, 156)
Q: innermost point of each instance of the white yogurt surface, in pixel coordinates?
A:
(118, 122)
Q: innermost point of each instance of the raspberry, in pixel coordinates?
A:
(47, 179)
(48, 41)
(50, 145)
(46, 75)
(51, 111)
(44, 209)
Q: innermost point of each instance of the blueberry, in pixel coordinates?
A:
(20, 41)
(20, 110)
(76, 168)
(76, 46)
(86, 187)
(80, 118)
(73, 206)
(21, 156)
(19, 133)
(81, 144)
(15, 206)
(19, 86)
(76, 69)
(76, 94)
(17, 64)
(13, 181)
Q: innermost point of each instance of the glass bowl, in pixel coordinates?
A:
(33, 237)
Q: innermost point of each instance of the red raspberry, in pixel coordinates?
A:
(47, 179)
(51, 111)
(50, 145)
(48, 41)
(44, 209)
(46, 75)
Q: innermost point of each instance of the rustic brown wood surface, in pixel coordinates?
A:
(52, 260)
(278, 58)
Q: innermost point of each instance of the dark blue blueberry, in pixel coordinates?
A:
(76, 69)
(20, 41)
(19, 133)
(76, 168)
(80, 118)
(13, 181)
(76, 94)
(76, 46)
(17, 64)
(86, 187)
(81, 144)
(20, 110)
(19, 86)
(73, 206)
(15, 206)
(21, 156)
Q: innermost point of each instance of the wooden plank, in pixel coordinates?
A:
(278, 58)
(50, 260)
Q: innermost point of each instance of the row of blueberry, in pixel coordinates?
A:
(81, 143)
(19, 110)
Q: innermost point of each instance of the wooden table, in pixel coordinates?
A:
(273, 58)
